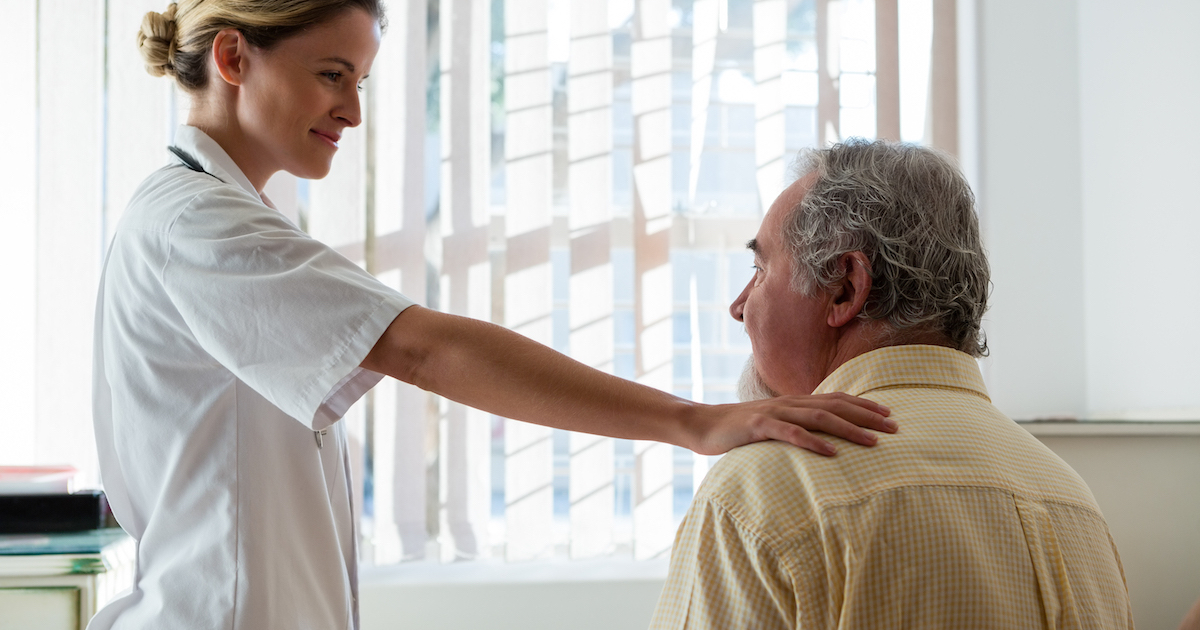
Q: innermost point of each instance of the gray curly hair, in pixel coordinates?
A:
(912, 213)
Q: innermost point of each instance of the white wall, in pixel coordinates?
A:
(1087, 132)
(1031, 205)
(18, 183)
(1139, 94)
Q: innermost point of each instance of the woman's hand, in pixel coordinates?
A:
(789, 419)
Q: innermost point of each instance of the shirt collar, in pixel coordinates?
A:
(906, 366)
(212, 157)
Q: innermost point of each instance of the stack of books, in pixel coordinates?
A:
(60, 560)
(89, 552)
(39, 500)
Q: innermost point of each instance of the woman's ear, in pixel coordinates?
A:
(229, 55)
(849, 296)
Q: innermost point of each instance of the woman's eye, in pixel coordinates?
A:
(332, 76)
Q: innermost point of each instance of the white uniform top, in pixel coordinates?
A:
(225, 337)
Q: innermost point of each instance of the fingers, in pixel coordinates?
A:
(865, 403)
(787, 432)
(858, 411)
(792, 419)
(833, 423)
(862, 416)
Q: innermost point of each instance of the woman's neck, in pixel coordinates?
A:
(224, 129)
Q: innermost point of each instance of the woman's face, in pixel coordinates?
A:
(298, 96)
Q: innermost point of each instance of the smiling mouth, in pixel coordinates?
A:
(332, 141)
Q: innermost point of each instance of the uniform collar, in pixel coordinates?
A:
(211, 157)
(906, 366)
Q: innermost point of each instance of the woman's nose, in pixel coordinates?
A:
(351, 111)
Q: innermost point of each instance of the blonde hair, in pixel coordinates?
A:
(177, 41)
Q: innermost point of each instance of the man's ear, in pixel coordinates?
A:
(849, 296)
(229, 55)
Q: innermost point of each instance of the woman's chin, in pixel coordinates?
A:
(311, 171)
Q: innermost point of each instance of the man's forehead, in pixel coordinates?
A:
(769, 232)
(794, 192)
(766, 242)
(792, 195)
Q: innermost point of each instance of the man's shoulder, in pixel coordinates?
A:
(766, 485)
(960, 444)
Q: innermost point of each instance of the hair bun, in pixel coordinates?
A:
(156, 41)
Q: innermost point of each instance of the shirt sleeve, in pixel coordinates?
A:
(283, 312)
(723, 576)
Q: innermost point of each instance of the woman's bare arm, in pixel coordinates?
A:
(494, 369)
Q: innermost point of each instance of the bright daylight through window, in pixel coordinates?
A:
(585, 172)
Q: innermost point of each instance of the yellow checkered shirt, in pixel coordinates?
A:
(962, 519)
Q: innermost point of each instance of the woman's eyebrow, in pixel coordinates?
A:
(349, 66)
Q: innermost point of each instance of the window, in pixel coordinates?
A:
(586, 172)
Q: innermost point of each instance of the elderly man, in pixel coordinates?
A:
(870, 279)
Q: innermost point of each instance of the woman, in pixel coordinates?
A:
(228, 343)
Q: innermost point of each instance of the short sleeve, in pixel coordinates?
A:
(723, 576)
(283, 312)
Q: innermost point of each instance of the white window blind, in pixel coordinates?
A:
(591, 489)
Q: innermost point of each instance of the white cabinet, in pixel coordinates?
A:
(58, 581)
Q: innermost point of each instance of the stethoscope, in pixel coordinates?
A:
(190, 162)
(193, 164)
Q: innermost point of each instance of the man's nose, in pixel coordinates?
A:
(735, 309)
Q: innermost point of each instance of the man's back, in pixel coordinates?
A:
(961, 520)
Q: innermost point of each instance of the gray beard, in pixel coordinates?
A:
(751, 386)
